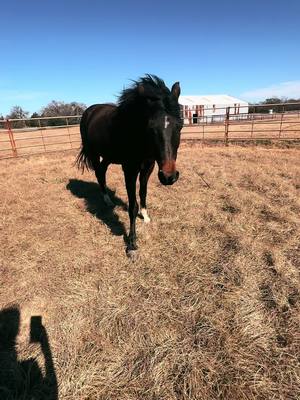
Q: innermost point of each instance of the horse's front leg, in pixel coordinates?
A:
(131, 174)
(145, 173)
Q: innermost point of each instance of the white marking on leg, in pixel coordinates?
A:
(132, 254)
(107, 200)
(145, 215)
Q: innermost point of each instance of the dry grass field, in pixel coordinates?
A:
(210, 310)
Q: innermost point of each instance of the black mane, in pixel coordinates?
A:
(153, 88)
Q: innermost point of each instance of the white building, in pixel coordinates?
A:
(211, 108)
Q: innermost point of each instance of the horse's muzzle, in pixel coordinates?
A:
(168, 179)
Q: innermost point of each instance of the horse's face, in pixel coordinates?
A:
(167, 139)
(166, 129)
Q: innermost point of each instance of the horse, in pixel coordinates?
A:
(141, 129)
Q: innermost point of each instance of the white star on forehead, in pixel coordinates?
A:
(167, 122)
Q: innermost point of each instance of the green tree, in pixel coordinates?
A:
(272, 100)
(34, 122)
(278, 105)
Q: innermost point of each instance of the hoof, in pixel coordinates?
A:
(108, 201)
(132, 254)
(145, 216)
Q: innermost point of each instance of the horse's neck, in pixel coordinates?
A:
(134, 118)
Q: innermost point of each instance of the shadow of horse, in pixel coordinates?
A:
(94, 203)
(24, 379)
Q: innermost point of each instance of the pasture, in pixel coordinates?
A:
(211, 308)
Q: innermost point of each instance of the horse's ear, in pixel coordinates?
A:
(141, 89)
(176, 90)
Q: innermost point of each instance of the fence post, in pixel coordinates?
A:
(280, 127)
(40, 126)
(252, 128)
(67, 122)
(11, 138)
(227, 125)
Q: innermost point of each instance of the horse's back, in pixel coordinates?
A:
(96, 111)
(97, 130)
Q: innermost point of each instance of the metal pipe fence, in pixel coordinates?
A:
(21, 137)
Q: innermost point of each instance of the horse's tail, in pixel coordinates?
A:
(84, 159)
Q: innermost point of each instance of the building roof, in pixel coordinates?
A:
(211, 99)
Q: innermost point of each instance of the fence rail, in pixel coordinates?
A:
(20, 137)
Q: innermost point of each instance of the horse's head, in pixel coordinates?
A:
(167, 141)
(164, 128)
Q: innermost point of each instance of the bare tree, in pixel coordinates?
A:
(60, 108)
(17, 112)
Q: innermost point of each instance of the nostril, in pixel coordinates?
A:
(175, 177)
(163, 179)
(168, 179)
(172, 179)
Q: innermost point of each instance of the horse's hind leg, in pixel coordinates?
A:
(100, 171)
(145, 173)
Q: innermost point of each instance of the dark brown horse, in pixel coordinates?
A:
(142, 128)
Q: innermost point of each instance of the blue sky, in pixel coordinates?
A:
(87, 51)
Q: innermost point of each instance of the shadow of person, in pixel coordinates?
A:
(24, 379)
(94, 203)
